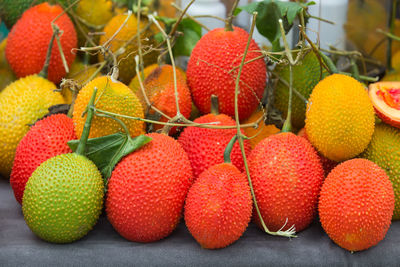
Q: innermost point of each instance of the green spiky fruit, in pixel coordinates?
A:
(306, 75)
(63, 198)
(384, 150)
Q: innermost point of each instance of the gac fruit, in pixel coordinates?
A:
(147, 190)
(287, 176)
(213, 67)
(385, 97)
(218, 206)
(46, 139)
(205, 147)
(356, 204)
(32, 33)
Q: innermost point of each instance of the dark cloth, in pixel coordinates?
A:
(103, 246)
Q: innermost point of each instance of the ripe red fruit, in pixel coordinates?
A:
(356, 204)
(209, 66)
(147, 190)
(205, 147)
(29, 38)
(327, 164)
(287, 176)
(218, 206)
(46, 139)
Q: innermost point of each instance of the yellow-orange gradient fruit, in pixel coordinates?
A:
(218, 206)
(134, 84)
(356, 204)
(22, 103)
(160, 90)
(112, 96)
(262, 131)
(213, 67)
(29, 39)
(147, 190)
(287, 176)
(340, 117)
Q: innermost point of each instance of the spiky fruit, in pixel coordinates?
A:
(134, 84)
(287, 176)
(112, 96)
(356, 204)
(208, 72)
(340, 117)
(147, 190)
(63, 198)
(21, 104)
(81, 74)
(205, 147)
(218, 206)
(95, 14)
(261, 132)
(124, 39)
(327, 164)
(385, 97)
(306, 75)
(160, 90)
(46, 139)
(30, 36)
(384, 150)
(6, 74)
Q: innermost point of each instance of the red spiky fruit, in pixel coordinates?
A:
(218, 206)
(327, 164)
(46, 139)
(29, 38)
(356, 204)
(147, 190)
(287, 176)
(205, 147)
(209, 72)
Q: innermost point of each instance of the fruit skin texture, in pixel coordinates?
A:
(263, 130)
(29, 38)
(214, 55)
(287, 176)
(218, 206)
(127, 64)
(134, 83)
(114, 97)
(305, 77)
(340, 117)
(327, 164)
(63, 198)
(160, 90)
(384, 150)
(205, 147)
(22, 103)
(46, 139)
(147, 190)
(356, 204)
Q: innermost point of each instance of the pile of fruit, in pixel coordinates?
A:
(91, 122)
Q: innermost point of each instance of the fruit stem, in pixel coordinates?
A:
(391, 24)
(228, 149)
(44, 72)
(228, 22)
(331, 66)
(214, 105)
(86, 128)
(287, 126)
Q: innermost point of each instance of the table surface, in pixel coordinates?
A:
(104, 247)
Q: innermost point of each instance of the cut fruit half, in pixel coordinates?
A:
(385, 97)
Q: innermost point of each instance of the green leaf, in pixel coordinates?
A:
(250, 8)
(159, 37)
(290, 10)
(191, 35)
(107, 151)
(167, 21)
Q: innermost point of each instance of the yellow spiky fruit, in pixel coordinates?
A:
(112, 96)
(6, 74)
(134, 84)
(125, 44)
(340, 117)
(21, 104)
